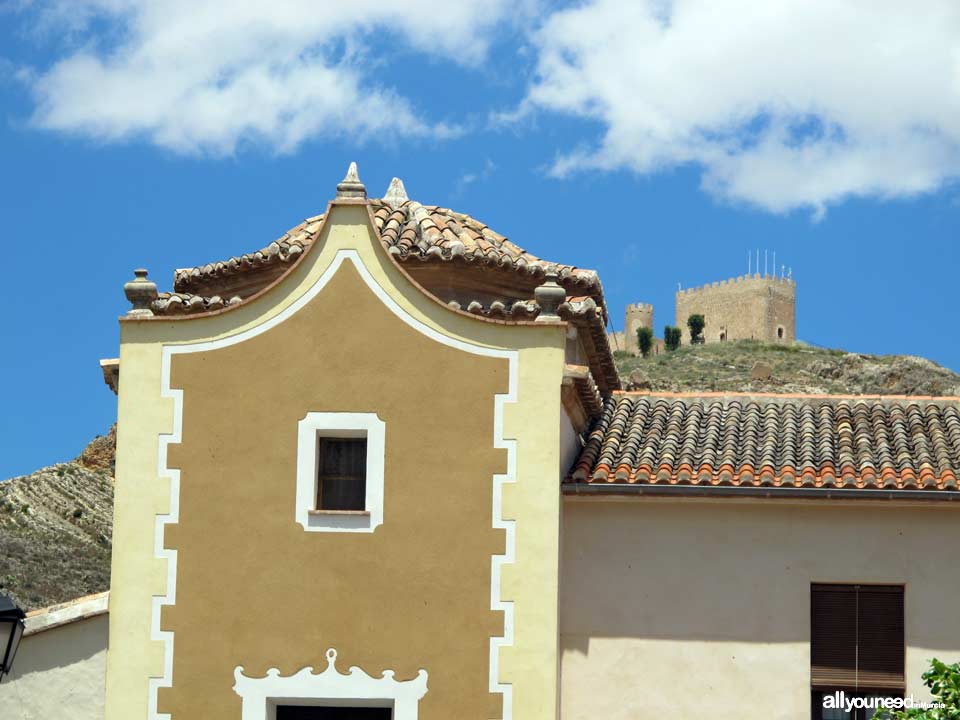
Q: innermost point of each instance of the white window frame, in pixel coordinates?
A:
(261, 696)
(310, 429)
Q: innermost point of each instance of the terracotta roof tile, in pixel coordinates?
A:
(410, 232)
(790, 441)
(283, 250)
(186, 303)
(417, 235)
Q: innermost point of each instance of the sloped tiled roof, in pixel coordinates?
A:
(582, 312)
(503, 276)
(489, 275)
(425, 233)
(786, 441)
(283, 250)
(409, 232)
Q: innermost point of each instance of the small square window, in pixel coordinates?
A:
(341, 473)
(340, 459)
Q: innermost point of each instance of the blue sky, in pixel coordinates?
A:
(657, 144)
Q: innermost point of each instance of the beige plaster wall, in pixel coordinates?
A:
(686, 609)
(394, 599)
(528, 666)
(58, 674)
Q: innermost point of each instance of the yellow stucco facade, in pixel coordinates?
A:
(142, 660)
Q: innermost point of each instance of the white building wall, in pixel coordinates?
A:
(687, 609)
(59, 672)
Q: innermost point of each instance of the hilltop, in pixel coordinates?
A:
(794, 368)
(56, 527)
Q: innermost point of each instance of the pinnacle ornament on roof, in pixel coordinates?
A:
(350, 186)
(141, 293)
(396, 194)
(549, 296)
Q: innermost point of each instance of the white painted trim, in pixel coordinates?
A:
(499, 441)
(330, 688)
(315, 425)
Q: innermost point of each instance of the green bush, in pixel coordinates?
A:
(944, 683)
(671, 337)
(696, 323)
(644, 340)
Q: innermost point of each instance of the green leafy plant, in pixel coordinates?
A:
(644, 340)
(944, 683)
(696, 323)
(671, 337)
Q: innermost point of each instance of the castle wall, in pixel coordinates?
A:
(637, 316)
(744, 308)
(783, 312)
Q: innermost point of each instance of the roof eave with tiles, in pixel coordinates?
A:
(412, 233)
(409, 232)
(786, 442)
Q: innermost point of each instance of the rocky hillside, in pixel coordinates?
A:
(748, 366)
(55, 529)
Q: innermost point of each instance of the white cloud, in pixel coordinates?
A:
(782, 103)
(469, 178)
(203, 75)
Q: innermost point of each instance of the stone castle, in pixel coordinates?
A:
(748, 307)
(638, 315)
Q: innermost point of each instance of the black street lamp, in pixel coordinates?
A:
(11, 630)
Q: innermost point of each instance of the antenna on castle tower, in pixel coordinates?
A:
(765, 262)
(749, 260)
(758, 261)
(790, 273)
(783, 271)
(774, 263)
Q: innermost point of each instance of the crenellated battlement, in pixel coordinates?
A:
(777, 281)
(746, 307)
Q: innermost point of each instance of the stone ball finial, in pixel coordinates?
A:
(141, 293)
(350, 186)
(396, 194)
(549, 296)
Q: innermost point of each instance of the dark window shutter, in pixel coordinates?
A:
(833, 636)
(881, 637)
(856, 636)
(342, 474)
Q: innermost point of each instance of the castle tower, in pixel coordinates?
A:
(751, 307)
(637, 316)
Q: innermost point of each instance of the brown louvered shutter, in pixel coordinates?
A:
(833, 636)
(881, 637)
(856, 636)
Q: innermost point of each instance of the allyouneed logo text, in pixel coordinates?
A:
(841, 701)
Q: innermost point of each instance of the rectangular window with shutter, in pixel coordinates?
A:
(341, 473)
(856, 644)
